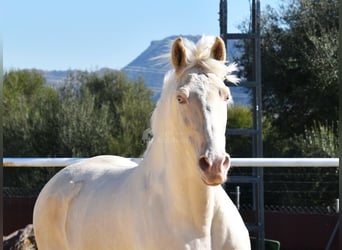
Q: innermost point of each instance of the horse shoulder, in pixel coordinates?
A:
(62, 201)
(228, 230)
(51, 210)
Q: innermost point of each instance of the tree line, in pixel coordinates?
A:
(87, 115)
(300, 75)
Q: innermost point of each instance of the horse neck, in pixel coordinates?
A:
(170, 168)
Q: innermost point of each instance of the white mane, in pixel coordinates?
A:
(158, 124)
(199, 55)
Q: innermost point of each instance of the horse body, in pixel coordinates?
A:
(173, 199)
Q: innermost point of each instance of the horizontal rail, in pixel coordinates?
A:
(235, 162)
(285, 162)
(39, 162)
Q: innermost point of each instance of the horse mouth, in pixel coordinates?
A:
(214, 180)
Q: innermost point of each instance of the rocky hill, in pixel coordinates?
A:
(151, 69)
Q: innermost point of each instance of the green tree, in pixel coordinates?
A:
(30, 126)
(317, 141)
(239, 117)
(299, 70)
(300, 90)
(134, 112)
(93, 113)
(299, 64)
(29, 120)
(83, 129)
(129, 106)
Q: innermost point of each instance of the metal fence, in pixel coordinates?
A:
(235, 162)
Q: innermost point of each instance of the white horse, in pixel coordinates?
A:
(173, 199)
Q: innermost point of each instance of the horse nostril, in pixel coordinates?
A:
(226, 161)
(204, 163)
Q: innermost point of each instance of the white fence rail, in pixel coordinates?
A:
(235, 162)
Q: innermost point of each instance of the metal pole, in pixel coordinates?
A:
(238, 197)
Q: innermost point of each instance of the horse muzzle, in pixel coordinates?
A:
(214, 169)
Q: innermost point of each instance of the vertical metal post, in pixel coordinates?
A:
(237, 197)
(223, 20)
(257, 147)
(340, 123)
(258, 122)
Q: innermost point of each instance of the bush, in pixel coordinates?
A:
(239, 145)
(320, 140)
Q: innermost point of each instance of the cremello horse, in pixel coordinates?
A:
(173, 199)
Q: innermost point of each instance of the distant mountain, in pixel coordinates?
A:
(152, 70)
(55, 77)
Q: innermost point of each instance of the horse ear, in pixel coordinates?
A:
(218, 51)
(178, 54)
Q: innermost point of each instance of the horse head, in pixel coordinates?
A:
(200, 99)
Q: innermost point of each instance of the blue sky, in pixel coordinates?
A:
(81, 34)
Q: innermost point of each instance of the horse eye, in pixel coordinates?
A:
(181, 99)
(224, 95)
